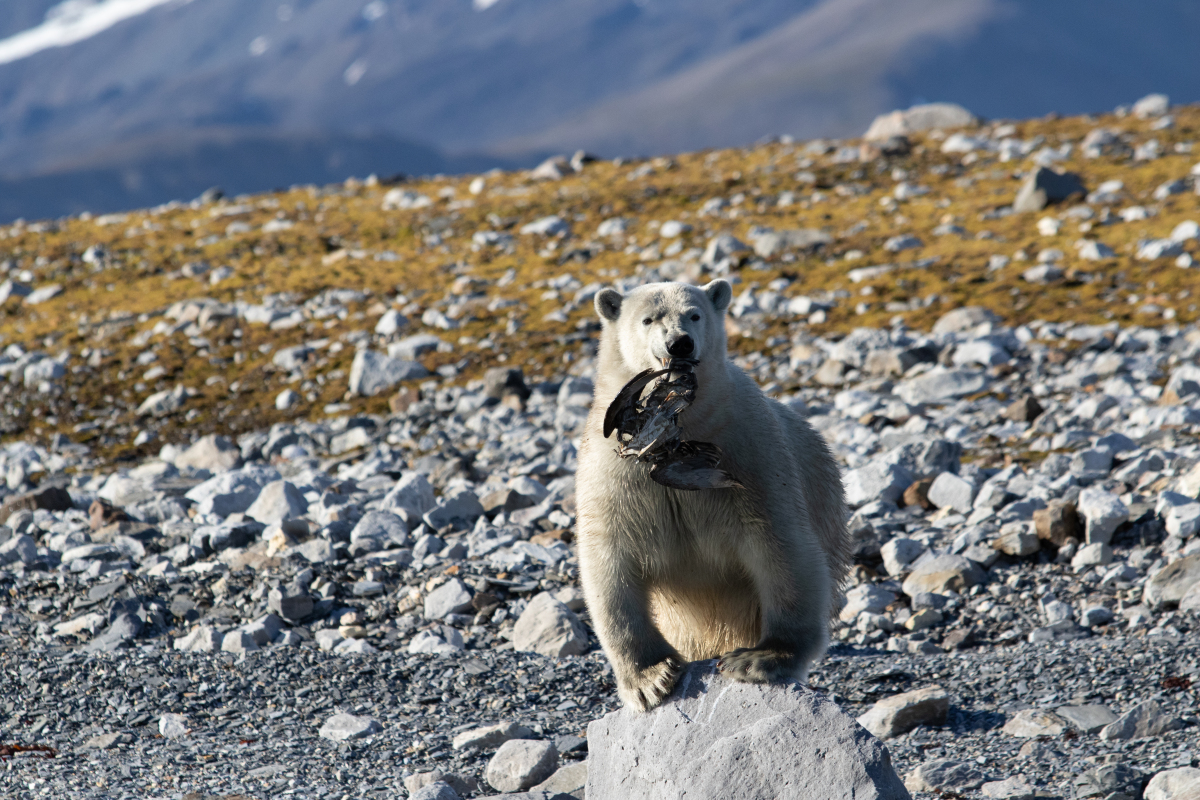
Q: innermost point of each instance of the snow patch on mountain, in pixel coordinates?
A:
(71, 22)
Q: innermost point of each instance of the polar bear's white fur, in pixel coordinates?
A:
(751, 574)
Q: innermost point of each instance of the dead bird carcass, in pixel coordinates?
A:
(648, 429)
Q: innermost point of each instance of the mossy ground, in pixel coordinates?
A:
(338, 232)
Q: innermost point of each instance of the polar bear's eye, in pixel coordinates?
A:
(695, 317)
(647, 321)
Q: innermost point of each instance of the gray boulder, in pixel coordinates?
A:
(520, 764)
(548, 627)
(382, 525)
(964, 319)
(19, 548)
(1045, 186)
(278, 501)
(1089, 718)
(1169, 585)
(1103, 513)
(214, 453)
(950, 490)
(940, 385)
(452, 597)
(1182, 783)
(901, 713)
(943, 574)
(435, 791)
(341, 727)
(945, 775)
(225, 494)
(718, 738)
(412, 347)
(290, 602)
(1144, 719)
(372, 372)
(490, 736)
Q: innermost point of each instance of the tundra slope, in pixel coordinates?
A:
(1072, 396)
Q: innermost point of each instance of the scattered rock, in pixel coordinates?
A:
(1168, 585)
(1033, 722)
(1057, 522)
(1089, 718)
(214, 453)
(520, 764)
(716, 738)
(901, 713)
(942, 574)
(372, 372)
(490, 736)
(1103, 513)
(452, 597)
(172, 726)
(1145, 719)
(1045, 186)
(1108, 781)
(1182, 783)
(548, 627)
(945, 775)
(278, 501)
(950, 491)
(341, 727)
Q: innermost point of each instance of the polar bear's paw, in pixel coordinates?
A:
(650, 686)
(758, 665)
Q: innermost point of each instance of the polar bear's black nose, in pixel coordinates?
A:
(681, 347)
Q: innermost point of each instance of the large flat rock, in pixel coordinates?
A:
(714, 739)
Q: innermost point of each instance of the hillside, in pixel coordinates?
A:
(289, 501)
(459, 263)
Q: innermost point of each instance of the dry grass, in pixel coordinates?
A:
(339, 230)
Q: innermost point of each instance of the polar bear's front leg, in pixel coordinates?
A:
(793, 593)
(645, 665)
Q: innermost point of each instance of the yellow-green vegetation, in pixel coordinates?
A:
(425, 257)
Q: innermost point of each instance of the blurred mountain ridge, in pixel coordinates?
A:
(178, 91)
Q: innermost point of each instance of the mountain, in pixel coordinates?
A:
(177, 90)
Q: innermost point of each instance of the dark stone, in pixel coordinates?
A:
(50, 498)
(104, 591)
(123, 628)
(917, 494)
(1027, 409)
(184, 609)
(959, 639)
(234, 536)
(1057, 522)
(570, 744)
(290, 602)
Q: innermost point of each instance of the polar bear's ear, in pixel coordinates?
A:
(608, 304)
(719, 294)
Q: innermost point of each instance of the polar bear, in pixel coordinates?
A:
(750, 575)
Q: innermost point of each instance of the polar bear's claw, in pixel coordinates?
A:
(758, 665)
(652, 685)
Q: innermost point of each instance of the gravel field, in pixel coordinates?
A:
(384, 604)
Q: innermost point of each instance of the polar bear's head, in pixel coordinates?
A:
(660, 321)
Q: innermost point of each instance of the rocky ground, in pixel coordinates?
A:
(300, 523)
